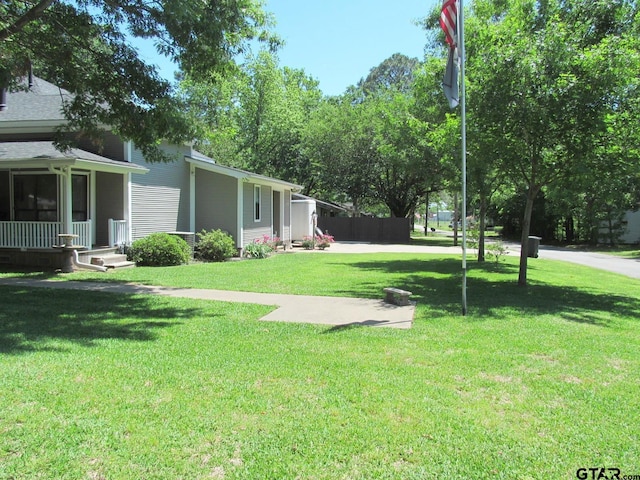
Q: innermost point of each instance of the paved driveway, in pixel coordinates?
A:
(623, 266)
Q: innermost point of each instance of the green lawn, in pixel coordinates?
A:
(533, 383)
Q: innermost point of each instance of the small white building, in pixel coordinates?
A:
(631, 221)
(302, 212)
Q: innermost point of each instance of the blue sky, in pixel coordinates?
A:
(337, 42)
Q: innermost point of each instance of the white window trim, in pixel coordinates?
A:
(257, 201)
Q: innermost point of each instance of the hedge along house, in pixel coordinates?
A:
(109, 195)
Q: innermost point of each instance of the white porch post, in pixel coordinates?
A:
(289, 219)
(283, 196)
(239, 214)
(126, 202)
(192, 198)
(67, 204)
(92, 205)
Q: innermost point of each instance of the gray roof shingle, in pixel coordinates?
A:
(42, 102)
(12, 151)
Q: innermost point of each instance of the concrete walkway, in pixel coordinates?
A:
(335, 311)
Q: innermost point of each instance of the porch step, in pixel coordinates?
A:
(114, 260)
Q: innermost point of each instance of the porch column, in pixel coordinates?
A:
(192, 198)
(240, 214)
(92, 206)
(126, 178)
(67, 204)
(288, 200)
(283, 195)
(126, 203)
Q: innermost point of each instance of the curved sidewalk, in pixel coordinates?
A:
(334, 311)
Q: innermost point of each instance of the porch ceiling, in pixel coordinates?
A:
(45, 154)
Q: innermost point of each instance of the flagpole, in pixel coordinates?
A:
(452, 23)
(463, 114)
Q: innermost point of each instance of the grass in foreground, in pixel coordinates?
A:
(534, 383)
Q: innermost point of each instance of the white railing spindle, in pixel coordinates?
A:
(41, 234)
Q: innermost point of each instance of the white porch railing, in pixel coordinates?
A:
(118, 232)
(41, 234)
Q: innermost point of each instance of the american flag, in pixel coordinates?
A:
(449, 24)
(449, 20)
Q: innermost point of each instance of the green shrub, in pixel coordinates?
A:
(215, 246)
(308, 243)
(257, 249)
(497, 250)
(159, 250)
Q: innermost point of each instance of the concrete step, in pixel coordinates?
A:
(125, 264)
(114, 260)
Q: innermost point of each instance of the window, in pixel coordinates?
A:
(257, 202)
(80, 198)
(35, 197)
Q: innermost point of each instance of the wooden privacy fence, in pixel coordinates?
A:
(366, 229)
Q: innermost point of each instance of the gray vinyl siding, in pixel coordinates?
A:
(160, 198)
(216, 202)
(256, 230)
(109, 203)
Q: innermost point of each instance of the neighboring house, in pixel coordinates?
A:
(302, 209)
(110, 196)
(631, 222)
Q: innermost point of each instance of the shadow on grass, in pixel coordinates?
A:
(34, 319)
(492, 289)
(431, 240)
(26, 272)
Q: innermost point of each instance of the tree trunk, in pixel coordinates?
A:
(524, 240)
(455, 220)
(613, 237)
(426, 213)
(482, 227)
(569, 229)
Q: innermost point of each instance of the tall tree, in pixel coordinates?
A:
(395, 72)
(339, 140)
(84, 47)
(551, 74)
(255, 119)
(407, 165)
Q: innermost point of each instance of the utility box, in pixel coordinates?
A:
(533, 246)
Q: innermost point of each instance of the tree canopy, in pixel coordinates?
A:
(84, 46)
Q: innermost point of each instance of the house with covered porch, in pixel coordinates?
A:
(108, 195)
